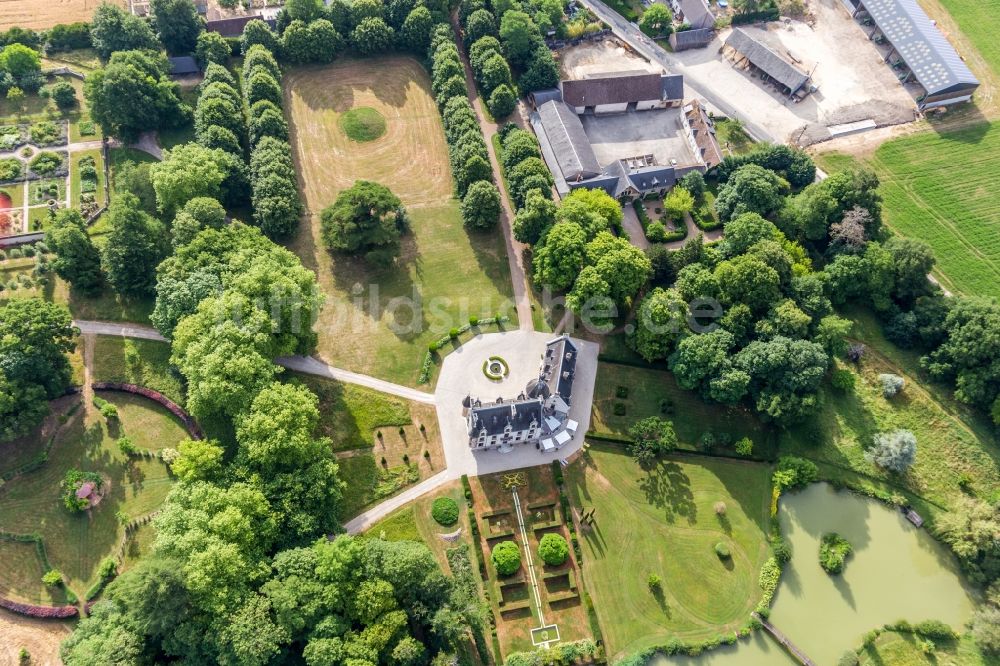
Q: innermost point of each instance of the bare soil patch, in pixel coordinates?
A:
(40, 638)
(609, 55)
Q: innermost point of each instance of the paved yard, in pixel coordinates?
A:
(462, 375)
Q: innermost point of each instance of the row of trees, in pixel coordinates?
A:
(519, 26)
(466, 147)
(219, 121)
(276, 204)
(493, 75)
(60, 37)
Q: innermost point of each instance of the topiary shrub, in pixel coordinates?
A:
(506, 558)
(833, 552)
(722, 550)
(52, 578)
(553, 549)
(445, 511)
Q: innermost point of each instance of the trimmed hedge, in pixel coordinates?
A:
(192, 426)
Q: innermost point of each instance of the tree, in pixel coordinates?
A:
(135, 244)
(748, 280)
(199, 460)
(198, 213)
(304, 10)
(481, 206)
(679, 202)
(35, 337)
(849, 235)
(651, 437)
(534, 218)
(256, 32)
(592, 209)
(784, 376)
(967, 355)
(191, 170)
(970, 529)
(746, 230)
(751, 189)
(622, 265)
(177, 24)
(23, 64)
(479, 24)
(895, 451)
(261, 85)
(912, 262)
(133, 94)
(367, 219)
(553, 549)
(212, 48)
(657, 20)
(704, 363)
(77, 260)
(114, 29)
(519, 36)
(661, 324)
(506, 558)
(63, 94)
(416, 30)
(372, 35)
(560, 256)
(986, 629)
(542, 71)
(502, 101)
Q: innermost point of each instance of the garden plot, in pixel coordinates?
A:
(448, 274)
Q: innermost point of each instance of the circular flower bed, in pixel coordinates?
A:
(495, 368)
(445, 511)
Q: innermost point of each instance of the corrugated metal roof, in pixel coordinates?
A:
(766, 60)
(931, 58)
(568, 141)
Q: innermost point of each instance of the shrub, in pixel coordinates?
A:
(619, 409)
(720, 508)
(553, 549)
(126, 446)
(63, 94)
(621, 392)
(843, 380)
(782, 551)
(656, 232)
(833, 552)
(722, 550)
(744, 447)
(108, 568)
(934, 629)
(849, 658)
(895, 451)
(794, 472)
(46, 163)
(46, 132)
(444, 510)
(453, 333)
(506, 558)
(10, 169)
(52, 578)
(891, 384)
(654, 583)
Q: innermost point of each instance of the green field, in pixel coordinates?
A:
(76, 543)
(655, 393)
(663, 522)
(941, 188)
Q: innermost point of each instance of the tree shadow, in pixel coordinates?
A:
(667, 487)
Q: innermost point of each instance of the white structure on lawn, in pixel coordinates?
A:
(539, 415)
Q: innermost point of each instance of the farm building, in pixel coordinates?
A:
(695, 38)
(746, 51)
(183, 66)
(618, 92)
(918, 45)
(702, 134)
(565, 143)
(695, 13)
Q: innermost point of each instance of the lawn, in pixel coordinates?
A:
(368, 324)
(134, 361)
(951, 443)
(663, 521)
(76, 543)
(650, 392)
(383, 443)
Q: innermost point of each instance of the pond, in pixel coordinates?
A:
(896, 572)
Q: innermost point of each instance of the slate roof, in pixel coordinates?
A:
(697, 13)
(613, 88)
(691, 39)
(494, 418)
(540, 97)
(765, 59)
(924, 49)
(568, 141)
(183, 65)
(672, 86)
(704, 133)
(559, 366)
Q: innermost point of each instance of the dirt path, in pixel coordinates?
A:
(89, 343)
(515, 250)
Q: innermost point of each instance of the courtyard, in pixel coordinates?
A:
(658, 133)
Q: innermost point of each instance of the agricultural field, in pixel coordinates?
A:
(453, 273)
(665, 521)
(380, 440)
(625, 394)
(76, 543)
(952, 444)
(42, 15)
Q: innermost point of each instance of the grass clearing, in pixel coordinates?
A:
(134, 361)
(650, 392)
(663, 521)
(453, 274)
(949, 448)
(76, 543)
